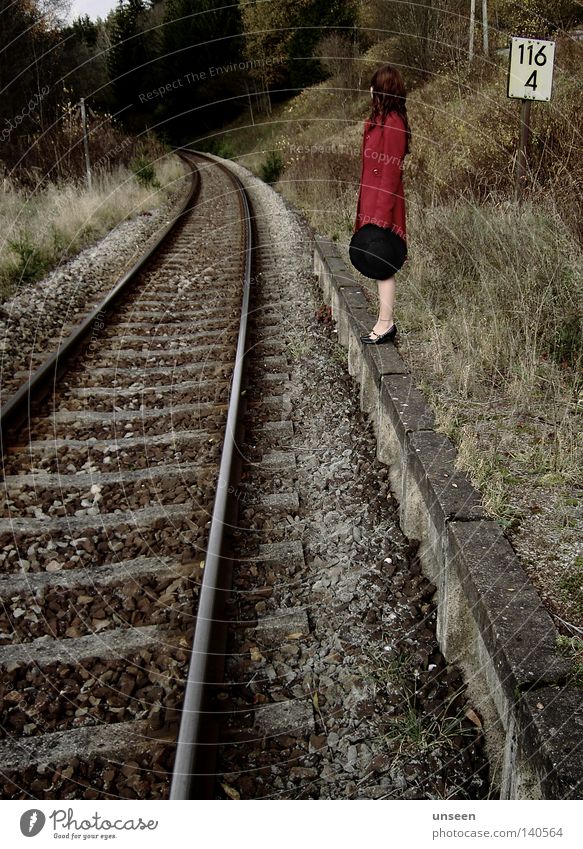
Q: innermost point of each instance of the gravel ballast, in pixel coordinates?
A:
(351, 697)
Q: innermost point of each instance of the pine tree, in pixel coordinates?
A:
(128, 61)
(202, 46)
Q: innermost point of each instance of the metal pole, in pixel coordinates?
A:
(472, 24)
(485, 26)
(86, 142)
(523, 149)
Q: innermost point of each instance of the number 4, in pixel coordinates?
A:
(531, 81)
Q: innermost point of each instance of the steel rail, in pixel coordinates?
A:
(18, 407)
(195, 749)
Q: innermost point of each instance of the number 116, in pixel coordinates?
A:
(540, 57)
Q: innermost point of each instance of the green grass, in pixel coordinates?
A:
(416, 732)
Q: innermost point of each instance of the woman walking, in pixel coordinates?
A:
(381, 246)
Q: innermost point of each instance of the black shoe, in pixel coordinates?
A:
(388, 336)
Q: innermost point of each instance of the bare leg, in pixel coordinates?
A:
(386, 304)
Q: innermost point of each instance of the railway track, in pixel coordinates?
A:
(108, 490)
(181, 475)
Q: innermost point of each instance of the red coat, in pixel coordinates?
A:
(380, 195)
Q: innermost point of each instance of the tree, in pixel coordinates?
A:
(129, 59)
(30, 66)
(315, 19)
(85, 62)
(422, 38)
(202, 49)
(282, 38)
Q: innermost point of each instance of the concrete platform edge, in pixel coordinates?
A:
(491, 622)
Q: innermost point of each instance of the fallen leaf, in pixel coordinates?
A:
(231, 792)
(473, 717)
(13, 697)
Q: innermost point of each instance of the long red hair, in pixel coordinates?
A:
(389, 95)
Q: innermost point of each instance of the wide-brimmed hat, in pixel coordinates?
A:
(377, 252)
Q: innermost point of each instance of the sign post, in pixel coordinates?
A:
(530, 77)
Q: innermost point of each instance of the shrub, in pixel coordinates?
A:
(225, 149)
(341, 60)
(272, 167)
(144, 172)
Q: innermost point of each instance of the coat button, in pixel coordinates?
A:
(375, 170)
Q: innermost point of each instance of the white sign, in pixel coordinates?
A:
(530, 75)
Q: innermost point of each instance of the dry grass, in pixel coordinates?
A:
(490, 301)
(492, 296)
(40, 228)
(506, 286)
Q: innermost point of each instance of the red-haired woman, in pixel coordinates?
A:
(380, 198)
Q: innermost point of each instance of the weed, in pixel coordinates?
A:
(60, 220)
(31, 260)
(572, 585)
(59, 243)
(297, 348)
(340, 355)
(418, 731)
(572, 647)
(398, 667)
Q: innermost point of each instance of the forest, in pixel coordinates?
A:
(180, 68)
(176, 68)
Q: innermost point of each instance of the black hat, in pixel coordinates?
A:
(377, 252)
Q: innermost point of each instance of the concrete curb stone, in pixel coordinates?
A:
(491, 621)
